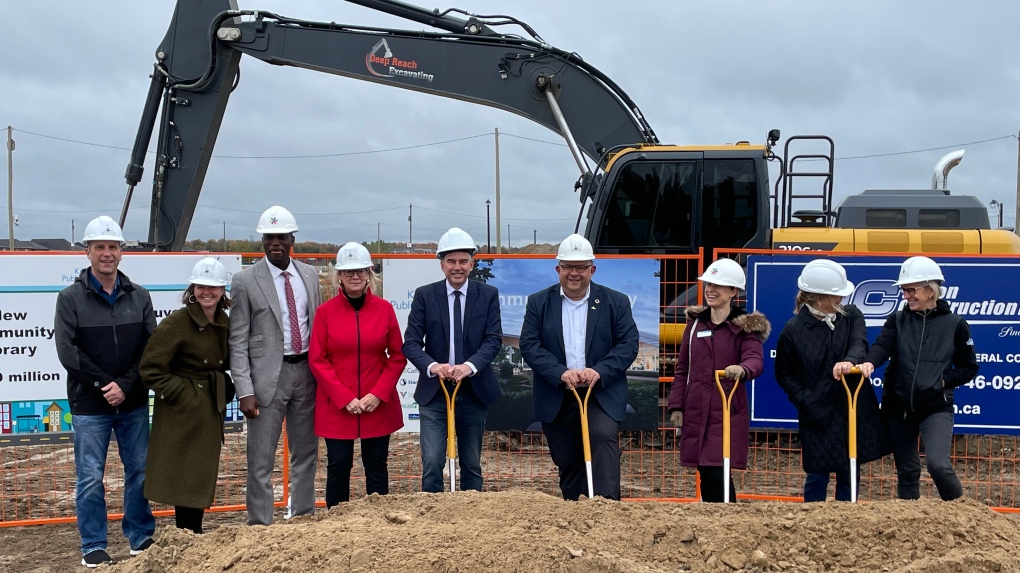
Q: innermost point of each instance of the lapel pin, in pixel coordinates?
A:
(593, 308)
(597, 301)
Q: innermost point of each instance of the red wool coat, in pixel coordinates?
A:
(693, 392)
(354, 353)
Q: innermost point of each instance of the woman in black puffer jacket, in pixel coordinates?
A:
(930, 352)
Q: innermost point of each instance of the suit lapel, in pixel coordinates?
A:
(310, 278)
(556, 314)
(264, 278)
(469, 306)
(594, 308)
(444, 310)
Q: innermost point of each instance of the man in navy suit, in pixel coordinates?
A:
(453, 333)
(578, 334)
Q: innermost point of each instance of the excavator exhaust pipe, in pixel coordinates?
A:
(943, 167)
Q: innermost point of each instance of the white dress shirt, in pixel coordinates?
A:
(297, 284)
(575, 325)
(450, 298)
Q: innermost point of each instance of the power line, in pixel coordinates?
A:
(483, 216)
(313, 156)
(487, 134)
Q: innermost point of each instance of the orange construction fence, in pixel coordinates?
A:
(37, 482)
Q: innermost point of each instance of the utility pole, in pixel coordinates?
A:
(410, 214)
(1016, 217)
(534, 236)
(10, 186)
(72, 232)
(508, 251)
(499, 247)
(224, 236)
(378, 238)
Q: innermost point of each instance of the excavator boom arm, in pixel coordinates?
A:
(198, 66)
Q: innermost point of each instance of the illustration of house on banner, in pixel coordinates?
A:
(54, 418)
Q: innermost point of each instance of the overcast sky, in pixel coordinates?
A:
(880, 77)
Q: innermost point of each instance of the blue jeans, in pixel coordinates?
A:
(91, 444)
(469, 414)
(816, 486)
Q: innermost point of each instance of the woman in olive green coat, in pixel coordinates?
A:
(185, 364)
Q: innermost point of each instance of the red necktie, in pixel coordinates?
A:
(295, 327)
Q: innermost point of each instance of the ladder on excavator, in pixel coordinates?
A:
(784, 196)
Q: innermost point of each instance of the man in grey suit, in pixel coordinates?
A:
(274, 303)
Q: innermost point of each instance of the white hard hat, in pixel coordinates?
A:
(575, 248)
(919, 270)
(822, 276)
(103, 228)
(276, 220)
(209, 272)
(455, 240)
(353, 256)
(724, 272)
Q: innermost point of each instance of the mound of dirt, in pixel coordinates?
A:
(525, 531)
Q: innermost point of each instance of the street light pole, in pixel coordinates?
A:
(995, 204)
(488, 229)
(534, 236)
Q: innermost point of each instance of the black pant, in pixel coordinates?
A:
(567, 449)
(340, 460)
(712, 484)
(936, 431)
(189, 518)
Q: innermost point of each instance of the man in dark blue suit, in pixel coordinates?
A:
(453, 333)
(578, 334)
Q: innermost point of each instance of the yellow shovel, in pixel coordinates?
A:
(851, 401)
(585, 438)
(727, 403)
(451, 438)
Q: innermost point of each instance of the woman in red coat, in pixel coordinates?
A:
(718, 337)
(355, 356)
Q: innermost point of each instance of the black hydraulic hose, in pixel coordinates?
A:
(203, 81)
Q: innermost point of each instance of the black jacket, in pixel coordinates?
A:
(929, 354)
(98, 343)
(805, 355)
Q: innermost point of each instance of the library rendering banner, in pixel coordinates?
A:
(982, 291)
(33, 391)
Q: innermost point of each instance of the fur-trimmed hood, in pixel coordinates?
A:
(754, 323)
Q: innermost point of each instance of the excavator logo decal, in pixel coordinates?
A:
(389, 66)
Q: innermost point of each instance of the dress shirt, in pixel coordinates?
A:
(297, 284)
(575, 325)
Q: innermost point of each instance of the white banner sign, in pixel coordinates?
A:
(400, 278)
(29, 368)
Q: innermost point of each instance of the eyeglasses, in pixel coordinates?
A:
(575, 268)
(356, 272)
(912, 290)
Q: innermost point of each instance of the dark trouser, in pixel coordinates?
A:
(469, 428)
(567, 449)
(189, 518)
(340, 461)
(712, 484)
(816, 486)
(936, 431)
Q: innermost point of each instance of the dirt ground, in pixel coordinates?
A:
(526, 531)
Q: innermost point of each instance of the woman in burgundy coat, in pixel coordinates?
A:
(718, 337)
(355, 356)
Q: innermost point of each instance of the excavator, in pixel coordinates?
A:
(637, 194)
